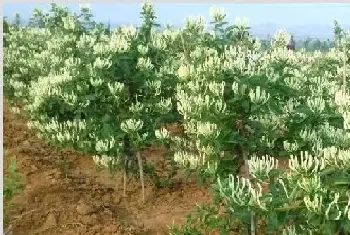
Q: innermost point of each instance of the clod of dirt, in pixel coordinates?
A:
(33, 168)
(89, 219)
(106, 198)
(50, 221)
(26, 144)
(84, 208)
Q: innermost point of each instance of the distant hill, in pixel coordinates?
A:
(299, 32)
(321, 32)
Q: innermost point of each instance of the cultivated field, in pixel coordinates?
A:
(128, 130)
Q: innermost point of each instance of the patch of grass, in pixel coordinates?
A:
(13, 184)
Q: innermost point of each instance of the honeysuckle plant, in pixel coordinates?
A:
(103, 94)
(310, 124)
(275, 102)
(311, 196)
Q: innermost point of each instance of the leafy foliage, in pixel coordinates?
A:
(13, 183)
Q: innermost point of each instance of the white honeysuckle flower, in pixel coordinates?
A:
(186, 71)
(280, 181)
(72, 61)
(267, 120)
(260, 167)
(96, 82)
(101, 63)
(220, 106)
(306, 165)
(290, 147)
(281, 38)
(65, 137)
(155, 85)
(218, 14)
(96, 159)
(171, 34)
(24, 70)
(258, 96)
(144, 64)
(128, 30)
(239, 89)
(317, 146)
(180, 142)
(162, 133)
(164, 105)
(346, 117)
(197, 53)
(216, 88)
(131, 125)
(105, 145)
(186, 159)
(257, 44)
(136, 108)
(293, 82)
(267, 142)
(310, 185)
(243, 193)
(291, 106)
(105, 160)
(347, 208)
(337, 135)
(159, 43)
(336, 158)
(142, 49)
(69, 23)
(207, 150)
(193, 105)
(194, 23)
(241, 22)
(289, 230)
(211, 63)
(314, 205)
(116, 88)
(70, 99)
(15, 110)
(195, 86)
(308, 135)
(342, 98)
(147, 7)
(211, 167)
(118, 44)
(334, 207)
(86, 41)
(101, 48)
(316, 104)
(207, 129)
(190, 127)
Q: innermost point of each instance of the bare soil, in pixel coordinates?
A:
(66, 194)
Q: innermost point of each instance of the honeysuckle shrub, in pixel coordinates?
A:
(312, 196)
(238, 101)
(89, 89)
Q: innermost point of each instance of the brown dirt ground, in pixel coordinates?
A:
(84, 200)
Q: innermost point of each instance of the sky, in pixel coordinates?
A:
(283, 15)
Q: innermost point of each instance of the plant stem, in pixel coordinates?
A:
(252, 214)
(344, 70)
(139, 159)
